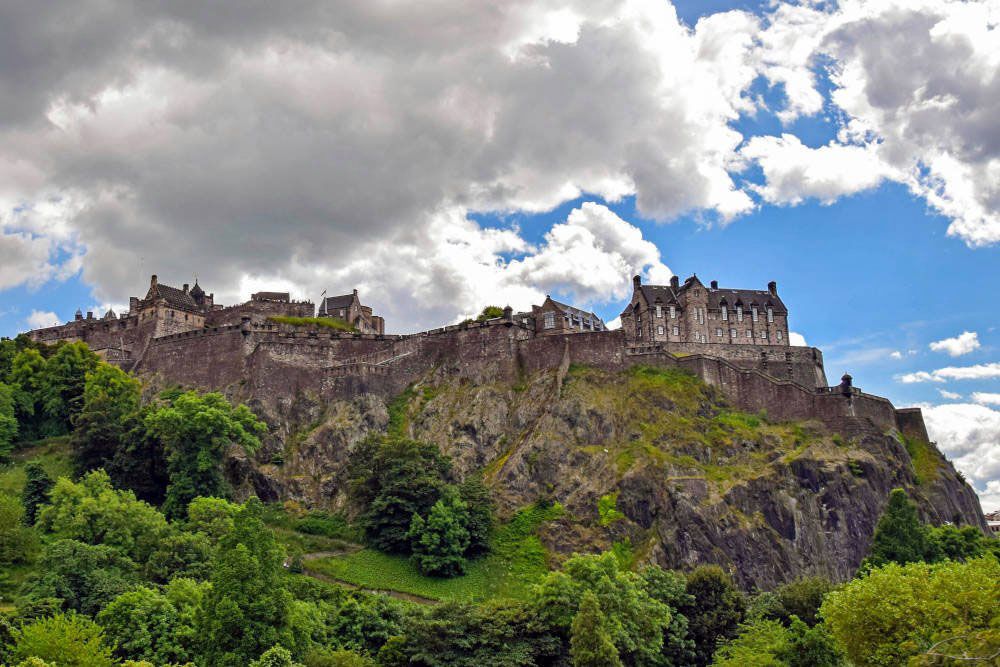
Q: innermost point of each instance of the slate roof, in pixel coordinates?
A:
(174, 297)
(338, 302)
(667, 295)
(570, 310)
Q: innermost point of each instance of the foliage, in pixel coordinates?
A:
(139, 462)
(36, 492)
(215, 517)
(66, 640)
(246, 609)
(636, 622)
(801, 598)
(715, 610)
(393, 479)
(607, 509)
(479, 515)
(670, 588)
(899, 535)
(17, 541)
(898, 611)
(196, 430)
(63, 385)
(315, 322)
(326, 525)
(145, 625)
(590, 644)
(94, 512)
(489, 313)
(364, 623)
(439, 543)
(110, 399)
(180, 554)
(276, 656)
(81, 577)
(8, 421)
(27, 376)
(769, 643)
(340, 658)
(960, 543)
(926, 460)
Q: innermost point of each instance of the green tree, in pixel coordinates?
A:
(276, 656)
(196, 430)
(897, 612)
(479, 510)
(958, 542)
(670, 588)
(17, 541)
(94, 512)
(364, 623)
(801, 598)
(8, 421)
(439, 543)
(339, 658)
(590, 644)
(63, 384)
(66, 640)
(139, 462)
(489, 313)
(27, 376)
(80, 577)
(37, 489)
(769, 643)
(246, 609)
(145, 625)
(900, 537)
(110, 400)
(180, 554)
(393, 479)
(715, 611)
(214, 517)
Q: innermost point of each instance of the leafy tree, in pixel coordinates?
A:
(139, 463)
(67, 640)
(196, 430)
(214, 517)
(766, 642)
(94, 512)
(246, 609)
(8, 350)
(364, 623)
(439, 543)
(110, 399)
(959, 543)
(276, 656)
(479, 510)
(37, 489)
(590, 644)
(636, 622)
(63, 384)
(340, 658)
(180, 554)
(900, 537)
(802, 598)
(393, 479)
(145, 625)
(897, 612)
(489, 313)
(81, 577)
(715, 611)
(670, 588)
(27, 376)
(17, 541)
(8, 421)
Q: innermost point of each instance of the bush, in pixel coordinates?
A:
(63, 639)
(17, 541)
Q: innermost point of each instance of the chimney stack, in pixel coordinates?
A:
(636, 282)
(675, 283)
(152, 280)
(78, 316)
(715, 284)
(90, 314)
(772, 287)
(186, 288)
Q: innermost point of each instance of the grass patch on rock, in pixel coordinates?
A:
(926, 462)
(313, 322)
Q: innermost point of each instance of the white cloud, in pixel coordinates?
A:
(964, 343)
(970, 436)
(950, 395)
(39, 319)
(896, 354)
(985, 398)
(977, 372)
(797, 339)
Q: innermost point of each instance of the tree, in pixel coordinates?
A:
(590, 644)
(196, 430)
(490, 313)
(898, 612)
(766, 642)
(94, 512)
(246, 610)
(715, 611)
(959, 543)
(67, 640)
(27, 375)
(145, 625)
(81, 577)
(364, 623)
(180, 554)
(900, 537)
(37, 489)
(17, 541)
(8, 421)
(139, 463)
(214, 517)
(63, 384)
(439, 543)
(110, 400)
(479, 510)
(802, 598)
(393, 479)
(276, 656)
(670, 588)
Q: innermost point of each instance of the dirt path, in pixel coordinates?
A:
(325, 578)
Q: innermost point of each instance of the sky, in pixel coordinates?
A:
(444, 156)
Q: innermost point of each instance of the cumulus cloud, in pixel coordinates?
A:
(977, 372)
(950, 395)
(795, 338)
(970, 436)
(986, 398)
(964, 343)
(917, 85)
(39, 319)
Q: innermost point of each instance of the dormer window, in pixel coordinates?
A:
(673, 312)
(725, 312)
(659, 310)
(550, 320)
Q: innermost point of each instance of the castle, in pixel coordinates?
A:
(734, 339)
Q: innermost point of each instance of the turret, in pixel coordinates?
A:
(715, 284)
(636, 282)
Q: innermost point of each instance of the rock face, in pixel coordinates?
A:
(681, 478)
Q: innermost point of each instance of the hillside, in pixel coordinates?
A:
(648, 461)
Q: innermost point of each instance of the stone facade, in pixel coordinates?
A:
(554, 318)
(348, 307)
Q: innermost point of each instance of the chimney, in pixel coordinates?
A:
(133, 304)
(90, 314)
(152, 280)
(675, 283)
(355, 292)
(715, 284)
(508, 314)
(186, 288)
(772, 287)
(636, 282)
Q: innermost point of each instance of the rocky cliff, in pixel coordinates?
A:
(650, 461)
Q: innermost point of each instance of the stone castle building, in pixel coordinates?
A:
(552, 318)
(347, 307)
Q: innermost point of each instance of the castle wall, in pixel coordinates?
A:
(259, 310)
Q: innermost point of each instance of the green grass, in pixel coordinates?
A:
(607, 509)
(309, 532)
(53, 454)
(926, 463)
(322, 322)
(399, 413)
(517, 561)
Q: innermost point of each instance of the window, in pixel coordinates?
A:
(700, 312)
(550, 320)
(341, 312)
(677, 331)
(763, 335)
(770, 314)
(749, 334)
(659, 331)
(739, 313)
(725, 312)
(753, 313)
(779, 335)
(673, 312)
(659, 310)
(732, 333)
(718, 333)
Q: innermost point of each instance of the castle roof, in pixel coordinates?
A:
(196, 292)
(666, 294)
(342, 301)
(571, 310)
(173, 296)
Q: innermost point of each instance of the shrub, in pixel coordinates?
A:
(63, 639)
